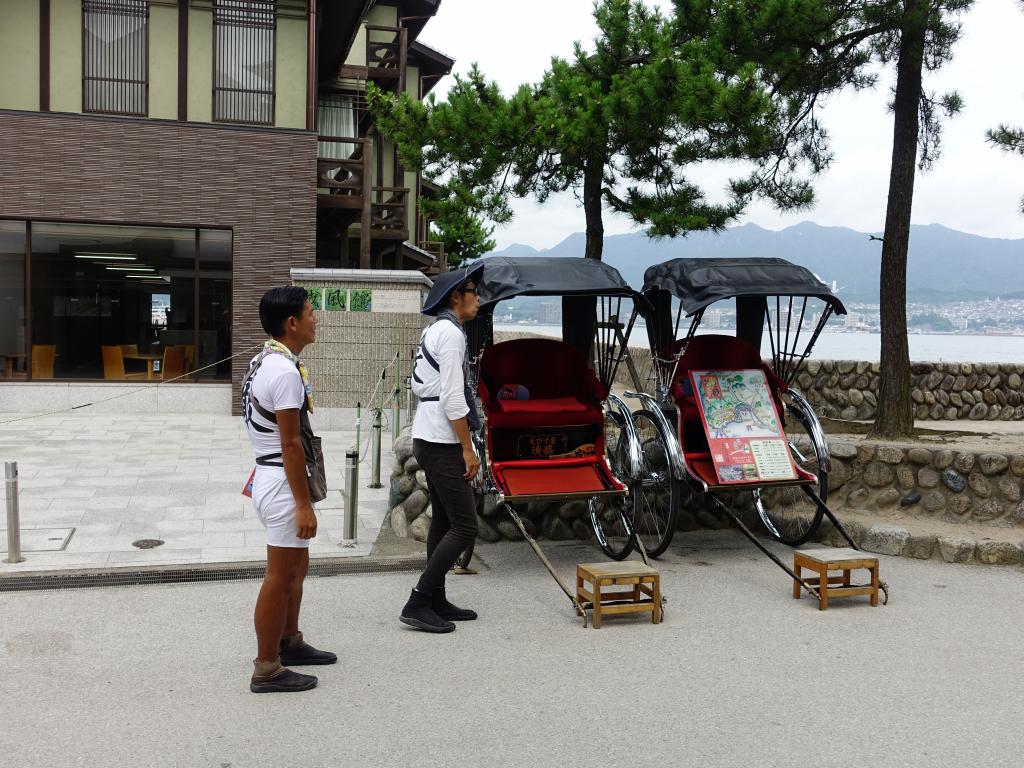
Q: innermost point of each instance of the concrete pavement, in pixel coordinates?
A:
(739, 674)
(93, 483)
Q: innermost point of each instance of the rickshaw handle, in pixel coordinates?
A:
(810, 419)
(635, 457)
(675, 452)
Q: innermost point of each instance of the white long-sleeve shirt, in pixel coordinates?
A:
(432, 422)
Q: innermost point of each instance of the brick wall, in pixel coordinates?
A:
(259, 182)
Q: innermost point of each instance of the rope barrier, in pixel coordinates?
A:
(136, 389)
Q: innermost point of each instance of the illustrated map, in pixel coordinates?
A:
(745, 436)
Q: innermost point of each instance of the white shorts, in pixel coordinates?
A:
(275, 507)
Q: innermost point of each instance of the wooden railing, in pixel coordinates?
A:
(436, 249)
(389, 209)
(385, 47)
(344, 176)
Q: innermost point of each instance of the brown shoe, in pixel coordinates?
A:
(271, 677)
(296, 652)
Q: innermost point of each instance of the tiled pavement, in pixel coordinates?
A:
(116, 479)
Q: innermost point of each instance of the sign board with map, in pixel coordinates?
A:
(744, 431)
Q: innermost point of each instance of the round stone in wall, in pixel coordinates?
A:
(953, 480)
(988, 510)
(934, 501)
(960, 504)
(927, 477)
(993, 463)
(919, 456)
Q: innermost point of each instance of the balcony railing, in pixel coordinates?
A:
(343, 177)
(436, 249)
(385, 49)
(389, 211)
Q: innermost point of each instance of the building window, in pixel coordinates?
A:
(115, 57)
(114, 302)
(14, 352)
(244, 55)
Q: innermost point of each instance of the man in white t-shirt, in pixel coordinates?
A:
(442, 445)
(275, 395)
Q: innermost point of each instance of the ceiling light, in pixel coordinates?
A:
(131, 269)
(109, 256)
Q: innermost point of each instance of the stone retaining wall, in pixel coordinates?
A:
(881, 479)
(846, 389)
(939, 483)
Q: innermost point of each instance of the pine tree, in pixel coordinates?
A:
(813, 48)
(1009, 138)
(464, 235)
(618, 126)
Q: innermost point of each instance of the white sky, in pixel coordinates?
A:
(973, 187)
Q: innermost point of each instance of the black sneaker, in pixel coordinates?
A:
(446, 610)
(418, 614)
(283, 682)
(296, 652)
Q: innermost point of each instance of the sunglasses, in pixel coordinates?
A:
(468, 289)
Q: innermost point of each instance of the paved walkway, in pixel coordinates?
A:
(109, 480)
(740, 674)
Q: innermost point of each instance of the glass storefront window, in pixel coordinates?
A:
(14, 359)
(115, 302)
(214, 304)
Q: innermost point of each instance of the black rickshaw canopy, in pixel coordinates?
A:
(506, 277)
(698, 283)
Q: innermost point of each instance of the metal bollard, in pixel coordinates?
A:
(375, 448)
(13, 523)
(359, 424)
(351, 517)
(408, 400)
(396, 416)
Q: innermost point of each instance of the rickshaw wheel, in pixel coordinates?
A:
(788, 514)
(656, 496)
(611, 516)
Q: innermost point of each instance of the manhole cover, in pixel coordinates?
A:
(147, 543)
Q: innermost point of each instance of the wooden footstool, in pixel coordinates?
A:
(643, 593)
(822, 561)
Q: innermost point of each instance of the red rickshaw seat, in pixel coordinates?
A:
(563, 389)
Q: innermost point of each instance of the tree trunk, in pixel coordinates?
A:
(895, 407)
(579, 313)
(593, 181)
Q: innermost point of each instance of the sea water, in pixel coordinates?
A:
(924, 347)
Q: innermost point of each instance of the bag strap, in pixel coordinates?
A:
(425, 355)
(250, 403)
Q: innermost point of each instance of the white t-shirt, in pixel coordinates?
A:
(277, 386)
(447, 345)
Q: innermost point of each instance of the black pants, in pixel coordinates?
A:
(453, 525)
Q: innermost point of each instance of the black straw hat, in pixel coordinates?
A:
(445, 285)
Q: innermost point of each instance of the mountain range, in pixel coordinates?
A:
(943, 264)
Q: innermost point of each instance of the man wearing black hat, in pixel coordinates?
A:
(442, 444)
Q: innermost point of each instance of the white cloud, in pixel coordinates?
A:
(973, 187)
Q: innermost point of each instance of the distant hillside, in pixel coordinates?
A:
(944, 264)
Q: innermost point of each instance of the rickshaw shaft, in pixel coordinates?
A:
(747, 532)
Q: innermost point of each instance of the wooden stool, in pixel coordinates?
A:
(821, 561)
(644, 595)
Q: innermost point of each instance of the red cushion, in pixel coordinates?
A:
(577, 476)
(554, 405)
(527, 419)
